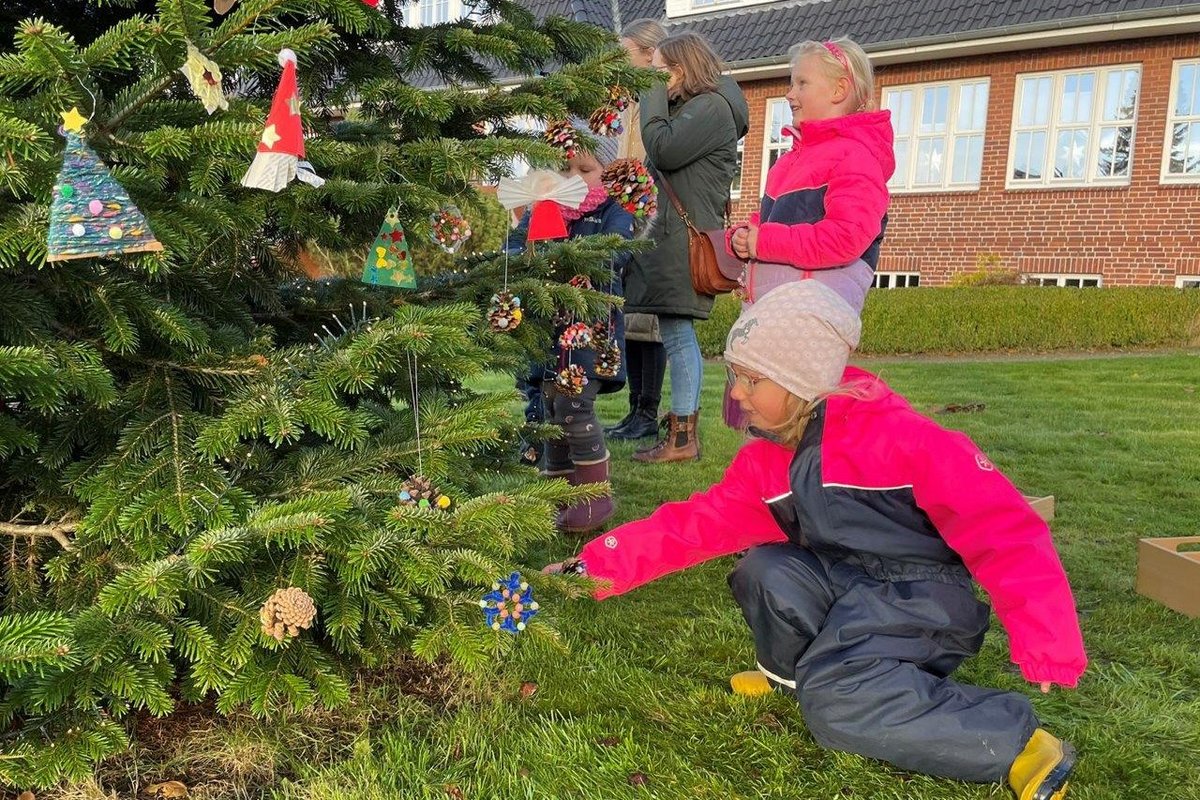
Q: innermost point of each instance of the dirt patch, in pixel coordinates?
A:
(239, 756)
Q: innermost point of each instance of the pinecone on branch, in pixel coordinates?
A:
(286, 613)
(419, 491)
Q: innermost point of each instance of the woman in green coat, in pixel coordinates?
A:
(690, 128)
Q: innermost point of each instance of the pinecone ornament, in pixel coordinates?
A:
(618, 98)
(580, 282)
(576, 337)
(563, 136)
(570, 381)
(606, 121)
(631, 185)
(505, 314)
(608, 359)
(286, 613)
(419, 491)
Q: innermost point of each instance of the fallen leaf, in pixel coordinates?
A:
(166, 789)
(608, 741)
(454, 792)
(638, 779)
(524, 773)
(528, 689)
(961, 408)
(26, 795)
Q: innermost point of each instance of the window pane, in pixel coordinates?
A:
(781, 116)
(1035, 101)
(1030, 157)
(914, 279)
(972, 107)
(899, 102)
(929, 162)
(1070, 154)
(900, 177)
(968, 160)
(1185, 95)
(935, 104)
(1114, 151)
(1120, 96)
(1185, 149)
(735, 187)
(979, 117)
(1076, 99)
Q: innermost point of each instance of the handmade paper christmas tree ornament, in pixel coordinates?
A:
(281, 147)
(419, 491)
(563, 136)
(389, 262)
(571, 380)
(504, 313)
(205, 78)
(91, 214)
(576, 337)
(449, 228)
(631, 185)
(509, 606)
(546, 192)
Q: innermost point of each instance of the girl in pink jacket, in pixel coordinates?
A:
(825, 207)
(866, 524)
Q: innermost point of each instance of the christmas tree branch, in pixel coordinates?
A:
(58, 532)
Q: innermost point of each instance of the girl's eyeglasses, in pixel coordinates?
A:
(748, 383)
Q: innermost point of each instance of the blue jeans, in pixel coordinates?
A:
(683, 357)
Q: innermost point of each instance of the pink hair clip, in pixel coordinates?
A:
(837, 52)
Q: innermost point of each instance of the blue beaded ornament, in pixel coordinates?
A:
(510, 605)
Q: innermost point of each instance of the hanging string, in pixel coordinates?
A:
(412, 388)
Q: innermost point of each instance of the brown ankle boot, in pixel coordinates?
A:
(680, 444)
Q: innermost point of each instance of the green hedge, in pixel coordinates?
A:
(989, 319)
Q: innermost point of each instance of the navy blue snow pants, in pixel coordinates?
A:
(869, 662)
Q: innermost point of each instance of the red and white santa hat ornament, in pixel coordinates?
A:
(281, 149)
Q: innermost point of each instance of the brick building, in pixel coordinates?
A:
(1059, 138)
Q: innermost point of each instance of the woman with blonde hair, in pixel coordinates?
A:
(645, 357)
(690, 128)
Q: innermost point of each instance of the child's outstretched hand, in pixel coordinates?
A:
(557, 569)
(744, 241)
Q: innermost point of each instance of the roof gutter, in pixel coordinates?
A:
(1055, 33)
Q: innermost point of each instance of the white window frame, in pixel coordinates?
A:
(1064, 280)
(769, 147)
(1173, 119)
(950, 137)
(735, 191)
(895, 280)
(414, 19)
(687, 8)
(1055, 125)
(1187, 281)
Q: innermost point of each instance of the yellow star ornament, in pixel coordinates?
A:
(270, 137)
(73, 121)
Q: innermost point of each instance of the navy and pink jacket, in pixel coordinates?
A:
(876, 483)
(825, 207)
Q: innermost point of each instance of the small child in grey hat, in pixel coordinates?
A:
(580, 454)
(867, 524)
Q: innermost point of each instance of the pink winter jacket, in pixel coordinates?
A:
(826, 198)
(876, 444)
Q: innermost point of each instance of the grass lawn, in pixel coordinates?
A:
(644, 686)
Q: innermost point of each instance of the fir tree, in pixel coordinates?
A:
(176, 445)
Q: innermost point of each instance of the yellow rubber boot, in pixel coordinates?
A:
(1043, 768)
(750, 683)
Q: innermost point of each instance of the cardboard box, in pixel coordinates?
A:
(1044, 506)
(1169, 576)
